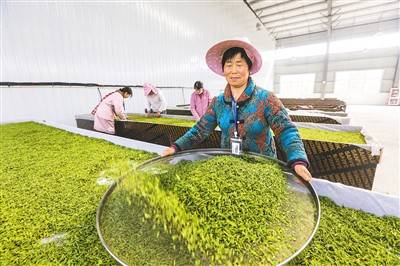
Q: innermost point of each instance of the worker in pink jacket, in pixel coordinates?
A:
(109, 107)
(199, 100)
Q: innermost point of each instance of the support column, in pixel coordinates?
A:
(328, 41)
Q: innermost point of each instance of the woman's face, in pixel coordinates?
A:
(126, 95)
(198, 91)
(236, 71)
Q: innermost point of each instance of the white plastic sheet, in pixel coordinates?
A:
(357, 198)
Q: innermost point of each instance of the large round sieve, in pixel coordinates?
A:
(129, 240)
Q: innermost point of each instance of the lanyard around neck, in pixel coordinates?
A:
(235, 107)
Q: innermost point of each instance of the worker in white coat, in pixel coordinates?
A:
(156, 104)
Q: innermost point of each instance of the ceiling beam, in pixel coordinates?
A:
(295, 22)
(368, 8)
(255, 14)
(271, 6)
(255, 2)
(293, 9)
(337, 28)
(356, 4)
(315, 24)
(301, 27)
(296, 16)
(333, 17)
(334, 10)
(369, 14)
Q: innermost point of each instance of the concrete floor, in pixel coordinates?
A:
(382, 123)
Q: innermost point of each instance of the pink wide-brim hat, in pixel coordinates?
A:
(147, 88)
(215, 53)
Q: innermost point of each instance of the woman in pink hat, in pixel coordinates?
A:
(199, 100)
(156, 104)
(245, 112)
(108, 108)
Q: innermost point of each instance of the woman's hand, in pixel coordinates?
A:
(158, 114)
(303, 172)
(168, 151)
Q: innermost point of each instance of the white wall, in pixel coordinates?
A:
(385, 58)
(61, 103)
(114, 43)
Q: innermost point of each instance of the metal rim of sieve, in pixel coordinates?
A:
(213, 151)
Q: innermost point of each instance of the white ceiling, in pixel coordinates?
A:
(286, 19)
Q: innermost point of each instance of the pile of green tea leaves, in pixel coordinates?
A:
(305, 133)
(49, 195)
(49, 188)
(176, 216)
(162, 120)
(332, 136)
(136, 240)
(231, 213)
(350, 237)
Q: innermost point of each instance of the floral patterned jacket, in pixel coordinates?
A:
(258, 111)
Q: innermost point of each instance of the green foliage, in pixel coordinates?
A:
(163, 120)
(350, 237)
(135, 240)
(332, 136)
(232, 213)
(189, 205)
(305, 133)
(238, 203)
(48, 186)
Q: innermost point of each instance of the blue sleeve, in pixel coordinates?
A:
(200, 131)
(285, 130)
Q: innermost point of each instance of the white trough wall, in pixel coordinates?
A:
(163, 43)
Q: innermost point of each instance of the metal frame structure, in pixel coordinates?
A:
(281, 17)
(308, 21)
